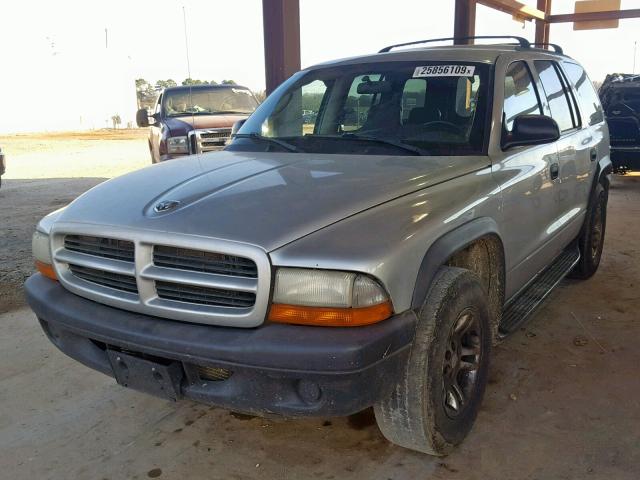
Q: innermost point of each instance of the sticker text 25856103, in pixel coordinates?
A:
(444, 71)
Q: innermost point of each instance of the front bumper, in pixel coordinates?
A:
(625, 158)
(275, 369)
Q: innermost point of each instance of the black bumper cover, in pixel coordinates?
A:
(276, 369)
(625, 158)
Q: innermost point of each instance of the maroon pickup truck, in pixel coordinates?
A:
(194, 119)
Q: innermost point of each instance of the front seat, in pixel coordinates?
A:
(422, 115)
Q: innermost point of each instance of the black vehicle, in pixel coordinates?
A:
(620, 95)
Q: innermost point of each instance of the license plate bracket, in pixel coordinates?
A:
(159, 379)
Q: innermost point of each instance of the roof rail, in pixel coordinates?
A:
(523, 42)
(557, 48)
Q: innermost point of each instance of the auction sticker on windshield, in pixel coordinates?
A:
(444, 71)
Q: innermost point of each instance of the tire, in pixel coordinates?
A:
(591, 239)
(419, 414)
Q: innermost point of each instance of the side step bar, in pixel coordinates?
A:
(520, 308)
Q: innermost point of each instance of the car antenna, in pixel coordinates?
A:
(186, 40)
(186, 48)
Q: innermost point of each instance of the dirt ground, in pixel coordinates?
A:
(44, 173)
(563, 400)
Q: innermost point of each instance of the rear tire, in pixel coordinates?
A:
(591, 239)
(436, 400)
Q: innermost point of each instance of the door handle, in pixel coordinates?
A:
(593, 154)
(554, 169)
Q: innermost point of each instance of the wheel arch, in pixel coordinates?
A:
(603, 173)
(477, 246)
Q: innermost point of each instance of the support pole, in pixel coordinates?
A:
(464, 23)
(281, 21)
(542, 27)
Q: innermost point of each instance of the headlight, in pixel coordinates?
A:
(178, 145)
(328, 298)
(42, 254)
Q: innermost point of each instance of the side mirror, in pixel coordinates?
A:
(142, 118)
(531, 130)
(236, 126)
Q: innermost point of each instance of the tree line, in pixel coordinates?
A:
(147, 92)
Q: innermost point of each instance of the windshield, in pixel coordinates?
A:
(200, 101)
(401, 108)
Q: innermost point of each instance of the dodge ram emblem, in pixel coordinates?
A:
(166, 206)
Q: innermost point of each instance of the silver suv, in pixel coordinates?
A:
(373, 229)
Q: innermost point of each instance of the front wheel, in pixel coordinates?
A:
(436, 400)
(591, 239)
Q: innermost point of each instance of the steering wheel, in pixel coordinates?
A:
(451, 127)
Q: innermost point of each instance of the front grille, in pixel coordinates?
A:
(221, 134)
(209, 140)
(206, 262)
(209, 145)
(116, 281)
(100, 247)
(217, 297)
(214, 374)
(175, 276)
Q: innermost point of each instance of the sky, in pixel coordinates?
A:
(56, 59)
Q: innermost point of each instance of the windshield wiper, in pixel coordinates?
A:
(386, 141)
(366, 138)
(226, 112)
(275, 141)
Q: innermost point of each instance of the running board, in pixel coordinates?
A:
(519, 310)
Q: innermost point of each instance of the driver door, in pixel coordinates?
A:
(528, 178)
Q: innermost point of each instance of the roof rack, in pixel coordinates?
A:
(523, 42)
(557, 48)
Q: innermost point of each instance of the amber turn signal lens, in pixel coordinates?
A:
(328, 316)
(46, 270)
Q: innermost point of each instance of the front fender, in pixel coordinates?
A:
(389, 241)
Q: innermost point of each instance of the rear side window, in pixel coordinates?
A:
(591, 107)
(520, 96)
(557, 95)
(414, 95)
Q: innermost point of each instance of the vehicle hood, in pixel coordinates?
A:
(264, 199)
(188, 123)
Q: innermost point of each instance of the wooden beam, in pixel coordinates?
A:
(542, 27)
(281, 21)
(594, 16)
(515, 8)
(464, 21)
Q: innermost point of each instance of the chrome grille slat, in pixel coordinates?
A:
(222, 133)
(97, 263)
(181, 277)
(199, 279)
(100, 247)
(204, 295)
(106, 279)
(201, 261)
